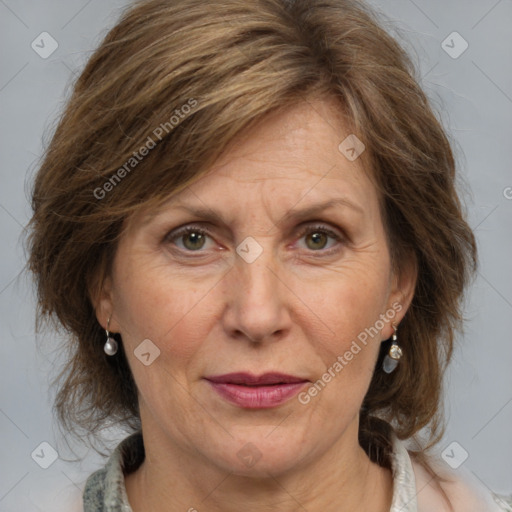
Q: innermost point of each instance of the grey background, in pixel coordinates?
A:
(473, 96)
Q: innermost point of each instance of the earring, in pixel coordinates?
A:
(393, 356)
(110, 346)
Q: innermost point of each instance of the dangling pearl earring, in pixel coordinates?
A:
(393, 356)
(110, 346)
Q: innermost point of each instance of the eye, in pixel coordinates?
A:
(189, 238)
(317, 238)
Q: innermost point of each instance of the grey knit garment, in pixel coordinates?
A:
(105, 490)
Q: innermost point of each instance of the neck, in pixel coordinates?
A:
(341, 480)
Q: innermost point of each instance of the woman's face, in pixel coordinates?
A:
(285, 269)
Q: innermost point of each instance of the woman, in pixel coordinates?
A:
(247, 222)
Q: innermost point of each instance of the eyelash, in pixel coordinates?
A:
(306, 231)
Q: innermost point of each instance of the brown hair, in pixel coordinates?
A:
(232, 62)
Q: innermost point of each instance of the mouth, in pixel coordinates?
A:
(248, 379)
(256, 391)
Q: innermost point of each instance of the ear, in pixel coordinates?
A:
(102, 299)
(403, 284)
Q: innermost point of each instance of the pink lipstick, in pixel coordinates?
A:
(256, 391)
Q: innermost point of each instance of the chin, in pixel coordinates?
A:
(261, 452)
(268, 464)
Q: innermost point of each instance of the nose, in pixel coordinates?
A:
(257, 300)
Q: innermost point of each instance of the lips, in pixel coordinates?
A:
(256, 391)
(247, 379)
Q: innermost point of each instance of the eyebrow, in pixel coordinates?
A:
(293, 214)
(300, 214)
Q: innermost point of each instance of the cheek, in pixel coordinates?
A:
(352, 305)
(153, 303)
(349, 302)
(174, 320)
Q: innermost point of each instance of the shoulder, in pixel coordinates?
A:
(442, 489)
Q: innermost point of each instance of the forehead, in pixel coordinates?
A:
(303, 138)
(290, 158)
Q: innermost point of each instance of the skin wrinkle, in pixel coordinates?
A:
(221, 314)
